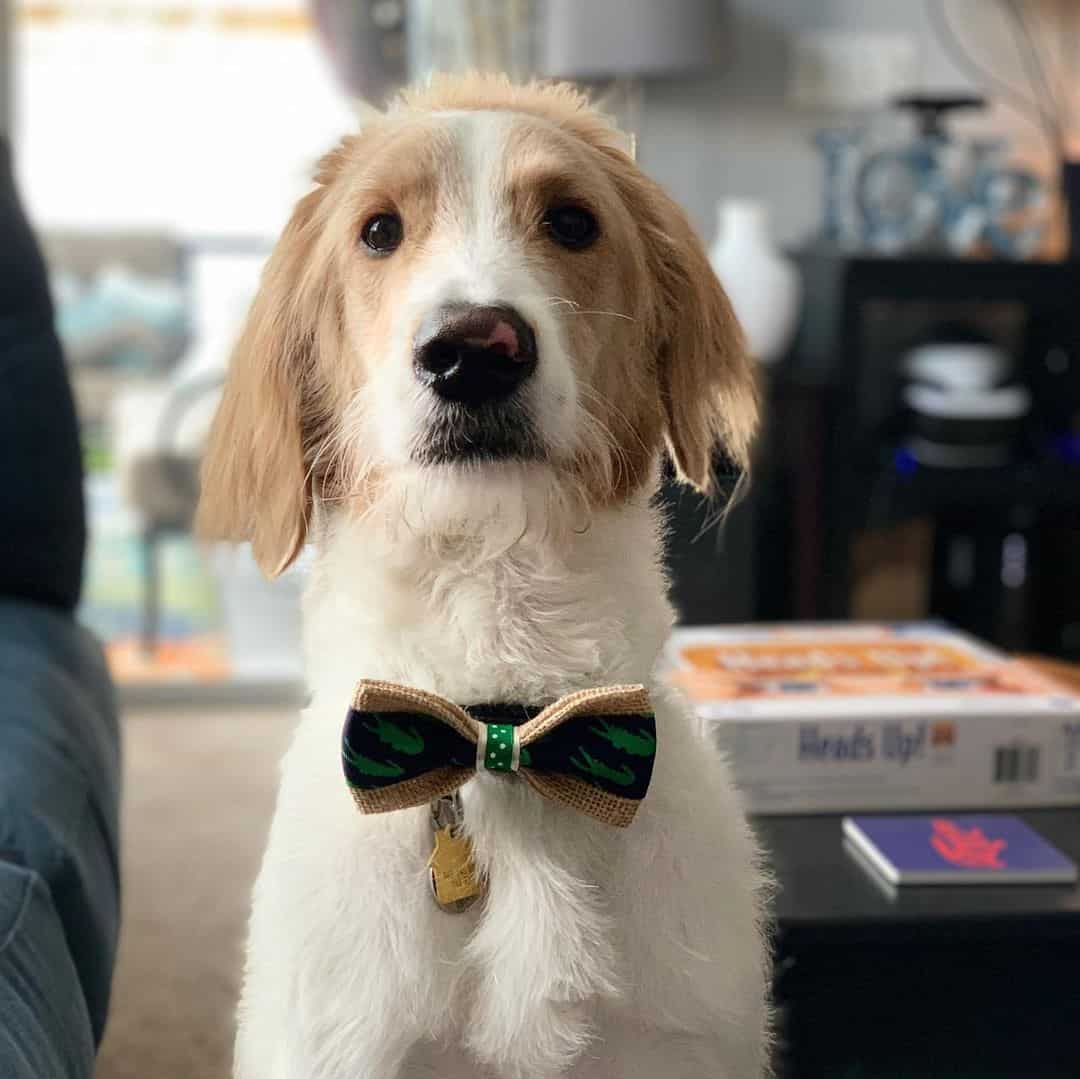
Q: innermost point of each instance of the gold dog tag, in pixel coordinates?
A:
(454, 882)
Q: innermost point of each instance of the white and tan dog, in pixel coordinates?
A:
(470, 347)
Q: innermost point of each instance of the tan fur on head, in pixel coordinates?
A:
(707, 388)
(643, 328)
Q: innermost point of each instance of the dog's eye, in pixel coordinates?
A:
(572, 226)
(383, 233)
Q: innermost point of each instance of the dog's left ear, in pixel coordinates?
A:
(707, 384)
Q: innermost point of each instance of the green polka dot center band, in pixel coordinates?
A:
(499, 747)
(592, 750)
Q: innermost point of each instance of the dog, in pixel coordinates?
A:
(470, 347)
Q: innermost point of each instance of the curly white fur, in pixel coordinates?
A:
(604, 952)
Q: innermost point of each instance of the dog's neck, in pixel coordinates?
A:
(527, 617)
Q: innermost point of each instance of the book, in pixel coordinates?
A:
(868, 717)
(989, 848)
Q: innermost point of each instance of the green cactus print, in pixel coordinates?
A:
(636, 743)
(383, 769)
(410, 742)
(622, 778)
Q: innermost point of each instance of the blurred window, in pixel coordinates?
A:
(192, 116)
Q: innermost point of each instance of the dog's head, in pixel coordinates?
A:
(480, 281)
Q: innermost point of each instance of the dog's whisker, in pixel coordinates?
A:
(591, 394)
(614, 465)
(577, 309)
(613, 314)
(555, 301)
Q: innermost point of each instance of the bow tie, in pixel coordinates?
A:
(592, 750)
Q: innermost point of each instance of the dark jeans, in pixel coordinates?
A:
(59, 741)
(42, 528)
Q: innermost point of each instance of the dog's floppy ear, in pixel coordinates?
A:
(707, 383)
(255, 476)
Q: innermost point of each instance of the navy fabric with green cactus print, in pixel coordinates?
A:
(379, 749)
(614, 753)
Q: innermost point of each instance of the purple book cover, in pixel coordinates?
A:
(957, 848)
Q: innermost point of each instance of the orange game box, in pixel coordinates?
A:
(840, 717)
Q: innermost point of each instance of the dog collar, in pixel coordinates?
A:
(513, 713)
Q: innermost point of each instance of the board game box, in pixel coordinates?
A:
(846, 717)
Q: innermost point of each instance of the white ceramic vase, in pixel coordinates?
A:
(763, 286)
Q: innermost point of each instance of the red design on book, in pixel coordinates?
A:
(966, 847)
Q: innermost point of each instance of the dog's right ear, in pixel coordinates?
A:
(256, 473)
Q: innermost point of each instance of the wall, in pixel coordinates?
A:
(735, 133)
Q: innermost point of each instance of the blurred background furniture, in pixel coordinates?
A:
(838, 476)
(935, 982)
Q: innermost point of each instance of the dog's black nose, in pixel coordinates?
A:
(473, 355)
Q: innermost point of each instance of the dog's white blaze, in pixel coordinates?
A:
(476, 258)
(501, 274)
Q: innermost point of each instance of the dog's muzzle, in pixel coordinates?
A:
(476, 361)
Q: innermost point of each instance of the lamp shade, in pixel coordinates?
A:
(598, 39)
(365, 42)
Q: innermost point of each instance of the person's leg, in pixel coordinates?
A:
(42, 525)
(45, 1029)
(59, 842)
(59, 738)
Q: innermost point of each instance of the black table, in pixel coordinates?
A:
(921, 983)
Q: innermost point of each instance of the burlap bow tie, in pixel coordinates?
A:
(592, 751)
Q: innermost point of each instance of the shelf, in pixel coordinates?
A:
(941, 278)
(228, 693)
(892, 494)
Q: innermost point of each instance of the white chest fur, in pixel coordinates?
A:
(529, 623)
(594, 945)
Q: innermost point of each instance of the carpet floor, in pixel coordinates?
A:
(199, 792)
